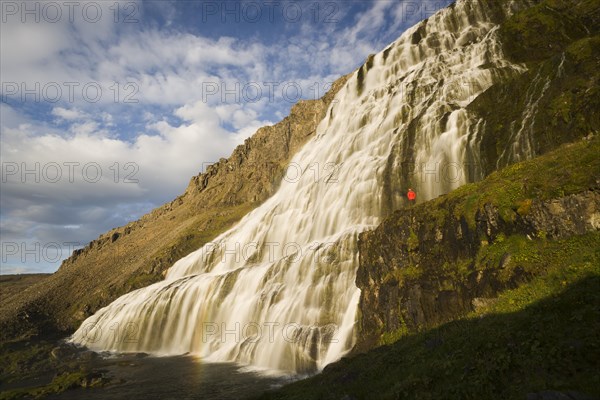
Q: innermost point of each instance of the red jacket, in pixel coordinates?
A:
(411, 195)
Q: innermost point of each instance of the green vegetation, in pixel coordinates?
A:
(544, 335)
(564, 261)
(391, 337)
(543, 30)
(24, 359)
(40, 371)
(565, 171)
(60, 383)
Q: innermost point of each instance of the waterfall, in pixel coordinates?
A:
(521, 145)
(277, 290)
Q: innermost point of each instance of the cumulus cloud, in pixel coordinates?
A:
(68, 114)
(69, 188)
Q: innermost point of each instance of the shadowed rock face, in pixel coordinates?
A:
(136, 255)
(438, 297)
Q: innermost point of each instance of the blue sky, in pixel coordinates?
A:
(109, 108)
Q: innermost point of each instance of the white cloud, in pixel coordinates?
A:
(68, 114)
(80, 179)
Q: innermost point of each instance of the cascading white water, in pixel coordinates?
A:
(521, 143)
(278, 290)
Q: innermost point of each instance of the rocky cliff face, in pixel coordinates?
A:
(136, 255)
(431, 264)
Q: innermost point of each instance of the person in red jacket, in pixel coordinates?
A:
(412, 196)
